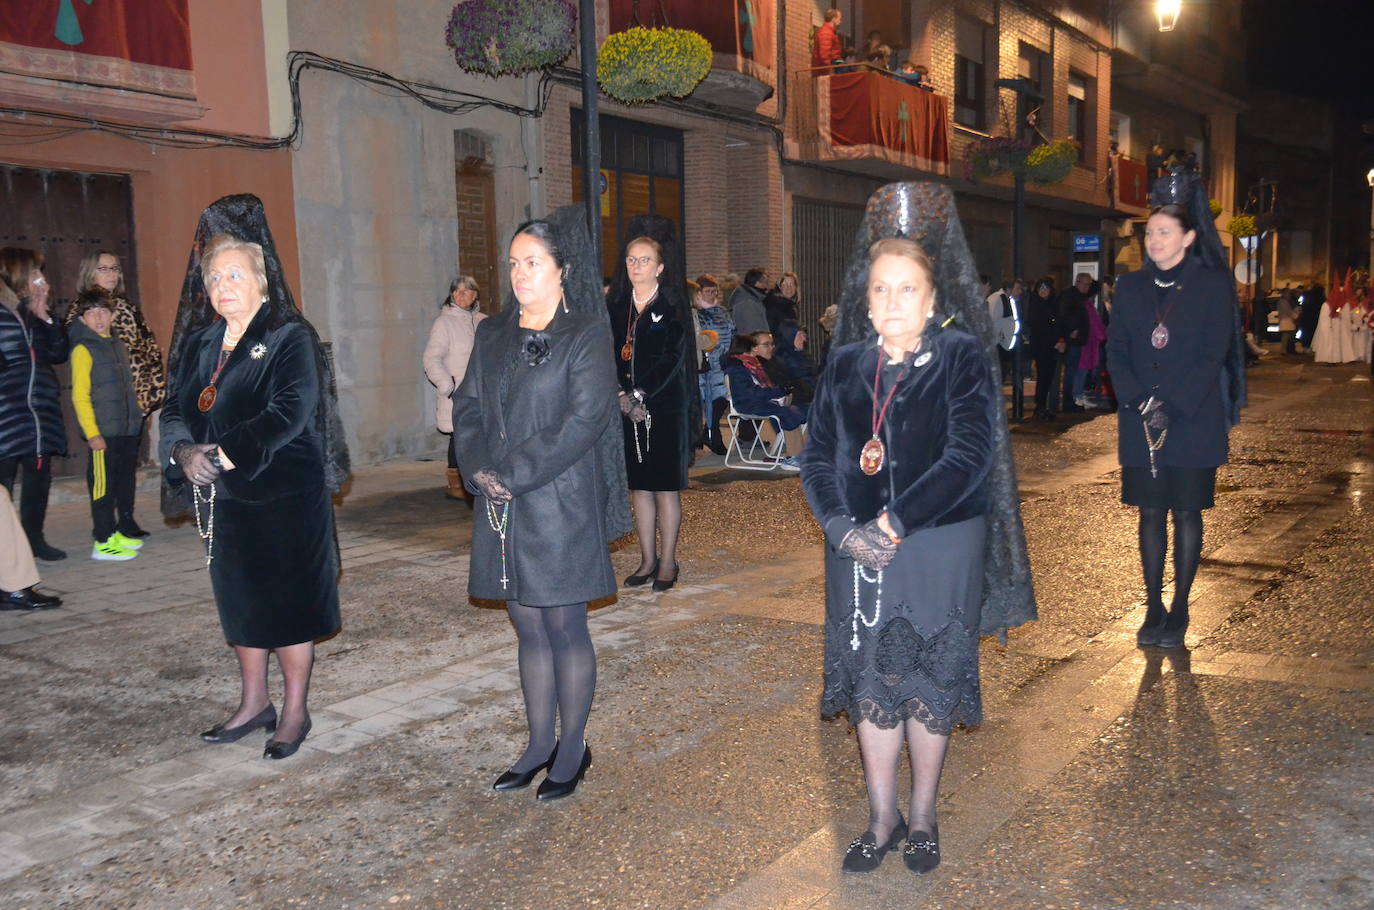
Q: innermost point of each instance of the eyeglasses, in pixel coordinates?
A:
(108, 269)
(631, 261)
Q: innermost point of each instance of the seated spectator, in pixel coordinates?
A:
(916, 74)
(752, 390)
(790, 352)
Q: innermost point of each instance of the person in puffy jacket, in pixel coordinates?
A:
(446, 363)
(31, 428)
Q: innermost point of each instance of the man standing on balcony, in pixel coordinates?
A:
(828, 49)
(746, 303)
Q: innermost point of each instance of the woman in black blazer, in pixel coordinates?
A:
(655, 358)
(536, 435)
(1173, 327)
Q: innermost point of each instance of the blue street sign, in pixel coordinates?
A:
(1087, 243)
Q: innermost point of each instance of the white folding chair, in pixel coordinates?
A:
(760, 455)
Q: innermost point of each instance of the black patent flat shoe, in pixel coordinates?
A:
(635, 581)
(554, 789)
(266, 719)
(667, 584)
(519, 780)
(278, 749)
(922, 853)
(864, 853)
(1147, 636)
(29, 598)
(1172, 637)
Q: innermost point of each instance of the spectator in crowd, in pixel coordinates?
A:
(31, 428)
(110, 419)
(752, 389)
(790, 353)
(18, 574)
(781, 302)
(746, 303)
(1073, 326)
(1312, 303)
(828, 49)
(1289, 315)
(715, 332)
(880, 56)
(1046, 344)
(1004, 309)
(445, 361)
(102, 271)
(827, 324)
(916, 74)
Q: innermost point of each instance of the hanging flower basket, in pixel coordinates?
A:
(509, 37)
(645, 64)
(1051, 162)
(1214, 207)
(1242, 226)
(993, 157)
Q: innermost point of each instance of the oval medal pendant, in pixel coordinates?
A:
(872, 456)
(627, 351)
(1160, 336)
(206, 401)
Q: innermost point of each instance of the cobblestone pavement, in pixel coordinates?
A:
(1236, 774)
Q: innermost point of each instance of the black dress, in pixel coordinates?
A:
(658, 342)
(275, 558)
(1186, 374)
(910, 651)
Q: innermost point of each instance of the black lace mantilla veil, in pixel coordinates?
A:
(582, 293)
(1186, 188)
(243, 216)
(925, 213)
(673, 285)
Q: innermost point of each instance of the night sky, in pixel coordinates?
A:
(1318, 48)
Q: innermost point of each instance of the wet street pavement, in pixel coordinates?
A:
(1236, 773)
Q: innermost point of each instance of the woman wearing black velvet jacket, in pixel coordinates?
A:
(249, 425)
(907, 469)
(655, 361)
(1172, 335)
(537, 435)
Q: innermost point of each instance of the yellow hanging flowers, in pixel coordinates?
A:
(644, 64)
(1242, 226)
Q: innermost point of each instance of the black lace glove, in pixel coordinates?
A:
(633, 406)
(869, 546)
(194, 461)
(1154, 415)
(491, 486)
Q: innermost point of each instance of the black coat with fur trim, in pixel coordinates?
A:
(938, 436)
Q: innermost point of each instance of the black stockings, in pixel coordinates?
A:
(881, 751)
(1187, 555)
(558, 678)
(659, 511)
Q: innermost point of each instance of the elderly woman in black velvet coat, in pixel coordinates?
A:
(247, 424)
(907, 469)
(537, 434)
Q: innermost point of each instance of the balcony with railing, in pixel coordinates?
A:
(877, 123)
(743, 38)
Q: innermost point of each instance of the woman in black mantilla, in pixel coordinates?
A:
(656, 366)
(908, 470)
(1175, 353)
(251, 443)
(535, 429)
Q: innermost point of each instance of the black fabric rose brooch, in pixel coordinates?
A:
(535, 348)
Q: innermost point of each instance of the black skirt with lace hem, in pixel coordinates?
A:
(919, 658)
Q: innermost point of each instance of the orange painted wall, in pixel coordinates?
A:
(227, 53)
(170, 189)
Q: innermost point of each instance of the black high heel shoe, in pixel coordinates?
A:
(661, 585)
(634, 581)
(277, 748)
(266, 719)
(519, 780)
(1171, 635)
(554, 789)
(865, 853)
(1147, 636)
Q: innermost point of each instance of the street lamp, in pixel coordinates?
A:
(1166, 11)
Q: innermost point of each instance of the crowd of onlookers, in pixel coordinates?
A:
(832, 52)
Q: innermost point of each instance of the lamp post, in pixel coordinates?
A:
(1026, 99)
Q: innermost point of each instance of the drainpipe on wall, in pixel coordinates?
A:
(532, 141)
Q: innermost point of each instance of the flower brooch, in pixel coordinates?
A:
(258, 351)
(535, 348)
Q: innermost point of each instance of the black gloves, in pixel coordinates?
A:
(633, 407)
(1152, 412)
(491, 486)
(869, 546)
(194, 461)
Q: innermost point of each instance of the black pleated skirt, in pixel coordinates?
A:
(1185, 489)
(275, 570)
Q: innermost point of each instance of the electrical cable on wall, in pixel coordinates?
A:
(45, 126)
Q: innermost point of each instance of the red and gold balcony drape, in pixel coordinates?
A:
(1132, 182)
(872, 115)
(141, 45)
(742, 33)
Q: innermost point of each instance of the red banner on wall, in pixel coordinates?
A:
(870, 114)
(742, 33)
(142, 45)
(1132, 182)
